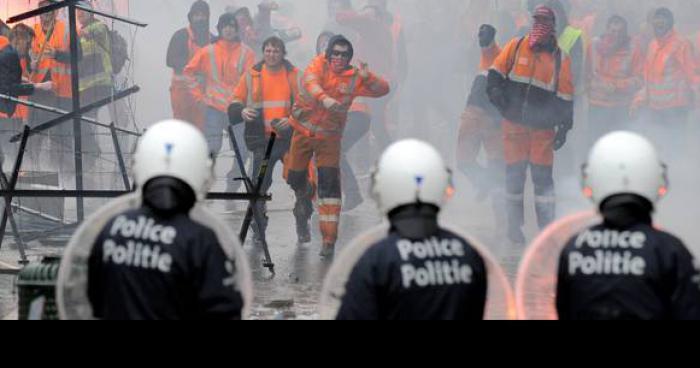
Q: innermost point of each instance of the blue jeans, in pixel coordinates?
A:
(216, 122)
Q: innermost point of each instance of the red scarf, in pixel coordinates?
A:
(542, 33)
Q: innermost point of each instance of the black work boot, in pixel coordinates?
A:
(303, 231)
(302, 213)
(546, 211)
(327, 251)
(516, 219)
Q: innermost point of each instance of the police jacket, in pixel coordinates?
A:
(440, 277)
(633, 272)
(143, 267)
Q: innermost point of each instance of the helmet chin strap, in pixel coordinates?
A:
(415, 221)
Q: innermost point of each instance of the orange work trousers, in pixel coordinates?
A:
(326, 153)
(478, 129)
(524, 144)
(184, 106)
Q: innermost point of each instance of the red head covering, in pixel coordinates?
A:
(542, 32)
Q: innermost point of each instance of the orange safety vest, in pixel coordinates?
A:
(538, 85)
(192, 48)
(310, 117)
(221, 65)
(256, 91)
(614, 79)
(669, 73)
(518, 63)
(60, 73)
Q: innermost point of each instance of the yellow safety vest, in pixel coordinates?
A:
(568, 38)
(96, 64)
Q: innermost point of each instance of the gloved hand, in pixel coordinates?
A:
(487, 35)
(234, 114)
(560, 139)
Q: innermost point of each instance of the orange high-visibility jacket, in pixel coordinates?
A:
(192, 48)
(60, 72)
(478, 95)
(669, 74)
(534, 95)
(311, 118)
(221, 65)
(274, 93)
(615, 79)
(488, 57)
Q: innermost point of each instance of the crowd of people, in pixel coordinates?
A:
(551, 72)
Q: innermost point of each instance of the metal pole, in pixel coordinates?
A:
(63, 112)
(255, 189)
(75, 84)
(252, 212)
(4, 183)
(83, 110)
(14, 178)
(42, 193)
(59, 5)
(120, 158)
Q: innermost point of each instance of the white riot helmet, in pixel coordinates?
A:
(411, 172)
(624, 163)
(176, 149)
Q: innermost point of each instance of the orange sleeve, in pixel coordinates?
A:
(36, 47)
(488, 56)
(686, 59)
(294, 84)
(240, 94)
(249, 60)
(634, 82)
(638, 60)
(503, 62)
(566, 84)
(373, 86)
(312, 79)
(194, 68)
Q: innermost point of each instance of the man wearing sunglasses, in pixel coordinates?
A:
(329, 87)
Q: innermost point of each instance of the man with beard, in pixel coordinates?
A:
(615, 77)
(183, 45)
